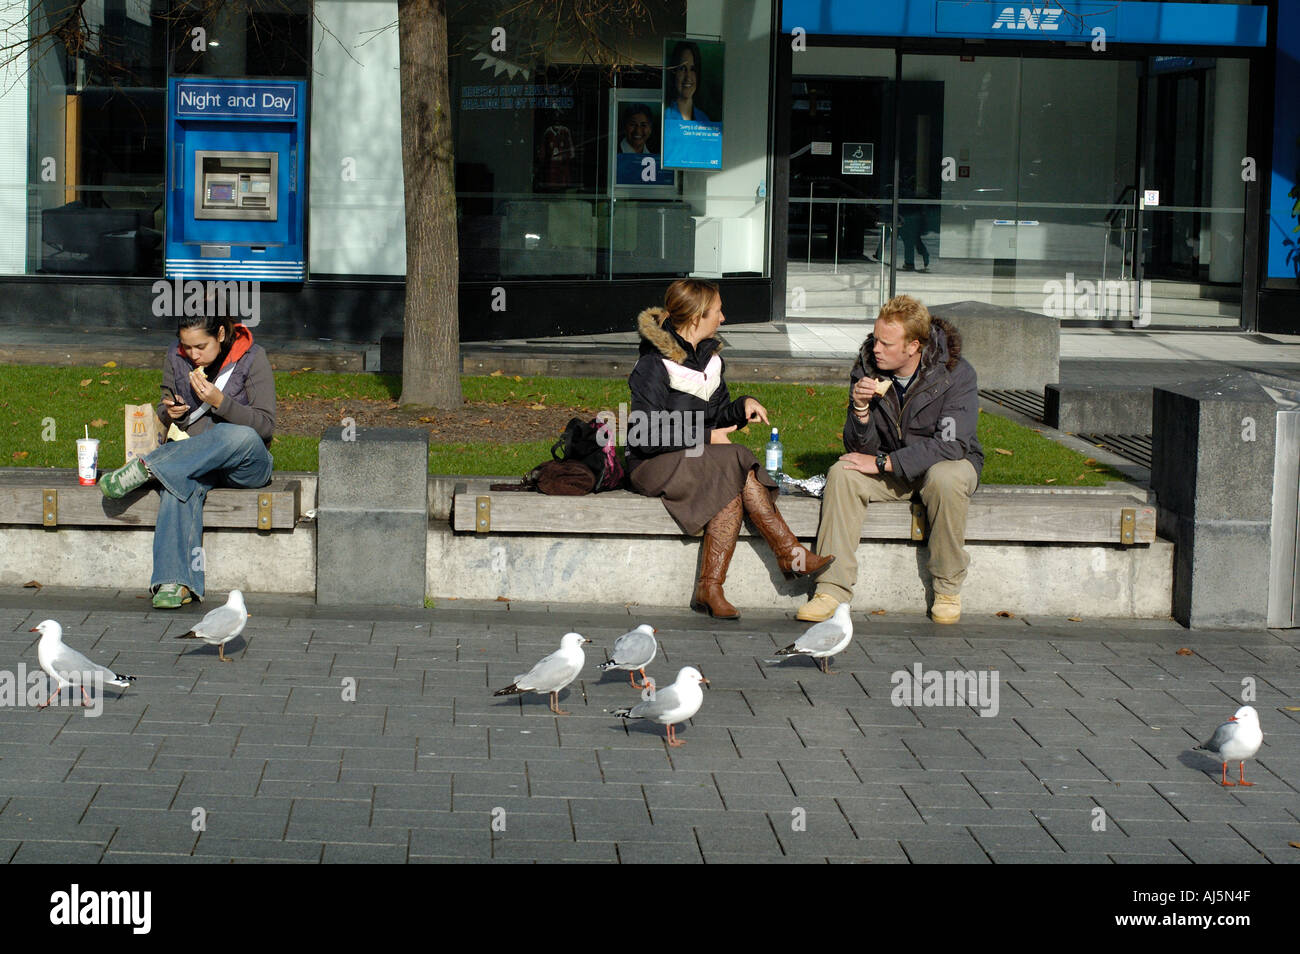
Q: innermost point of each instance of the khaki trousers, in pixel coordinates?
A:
(946, 489)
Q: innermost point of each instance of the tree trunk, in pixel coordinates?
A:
(431, 350)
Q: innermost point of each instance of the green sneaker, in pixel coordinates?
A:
(124, 480)
(171, 596)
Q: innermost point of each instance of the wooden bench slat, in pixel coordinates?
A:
(21, 504)
(993, 516)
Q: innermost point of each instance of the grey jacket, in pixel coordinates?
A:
(249, 394)
(939, 415)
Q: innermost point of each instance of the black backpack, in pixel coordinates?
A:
(582, 441)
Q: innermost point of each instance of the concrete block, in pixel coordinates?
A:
(373, 517)
(1064, 580)
(278, 562)
(1212, 448)
(1213, 457)
(1098, 409)
(1220, 572)
(1009, 348)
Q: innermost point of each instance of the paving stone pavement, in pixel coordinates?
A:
(343, 735)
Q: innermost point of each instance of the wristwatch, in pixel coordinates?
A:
(881, 461)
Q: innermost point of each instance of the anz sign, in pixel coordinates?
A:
(1028, 18)
(1044, 20)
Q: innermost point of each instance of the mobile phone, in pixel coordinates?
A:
(169, 393)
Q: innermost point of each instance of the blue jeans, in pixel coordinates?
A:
(225, 455)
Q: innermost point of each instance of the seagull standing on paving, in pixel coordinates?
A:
(552, 673)
(221, 625)
(672, 704)
(824, 640)
(67, 667)
(633, 651)
(1236, 740)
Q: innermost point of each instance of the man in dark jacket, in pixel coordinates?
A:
(913, 410)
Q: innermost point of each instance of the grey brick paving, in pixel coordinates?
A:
(782, 764)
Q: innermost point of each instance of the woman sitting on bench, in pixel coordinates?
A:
(678, 444)
(219, 392)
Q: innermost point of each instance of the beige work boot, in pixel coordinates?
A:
(818, 609)
(946, 608)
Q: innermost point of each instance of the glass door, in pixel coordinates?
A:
(1192, 203)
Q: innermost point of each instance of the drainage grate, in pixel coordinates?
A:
(1028, 403)
(1134, 447)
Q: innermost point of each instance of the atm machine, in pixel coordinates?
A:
(236, 178)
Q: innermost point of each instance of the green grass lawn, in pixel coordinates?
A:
(44, 410)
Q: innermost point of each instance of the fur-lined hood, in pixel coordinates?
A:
(943, 348)
(656, 338)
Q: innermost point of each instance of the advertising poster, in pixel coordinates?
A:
(636, 153)
(693, 103)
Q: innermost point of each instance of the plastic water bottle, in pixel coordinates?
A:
(775, 457)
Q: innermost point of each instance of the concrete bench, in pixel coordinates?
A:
(55, 531)
(1083, 551)
(1017, 514)
(53, 499)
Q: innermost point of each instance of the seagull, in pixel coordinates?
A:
(221, 625)
(672, 704)
(1236, 740)
(552, 673)
(633, 651)
(824, 640)
(67, 666)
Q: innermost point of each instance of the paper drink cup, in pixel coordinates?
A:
(87, 460)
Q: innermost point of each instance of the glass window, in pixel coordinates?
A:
(96, 135)
(553, 174)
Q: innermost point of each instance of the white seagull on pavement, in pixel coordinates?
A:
(824, 640)
(1236, 740)
(552, 673)
(633, 651)
(67, 666)
(221, 625)
(672, 704)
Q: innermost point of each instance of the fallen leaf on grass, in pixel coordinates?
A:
(1050, 480)
(85, 382)
(105, 382)
(537, 407)
(1003, 450)
(31, 585)
(497, 373)
(517, 378)
(19, 455)
(811, 392)
(1184, 651)
(1005, 615)
(1081, 476)
(1089, 462)
(98, 422)
(110, 364)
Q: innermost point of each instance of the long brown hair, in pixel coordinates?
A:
(688, 299)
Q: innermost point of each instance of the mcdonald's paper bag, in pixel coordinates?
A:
(143, 430)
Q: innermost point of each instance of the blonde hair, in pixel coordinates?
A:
(911, 314)
(687, 299)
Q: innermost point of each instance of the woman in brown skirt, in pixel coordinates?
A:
(679, 448)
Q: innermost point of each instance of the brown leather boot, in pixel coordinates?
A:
(792, 557)
(719, 544)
